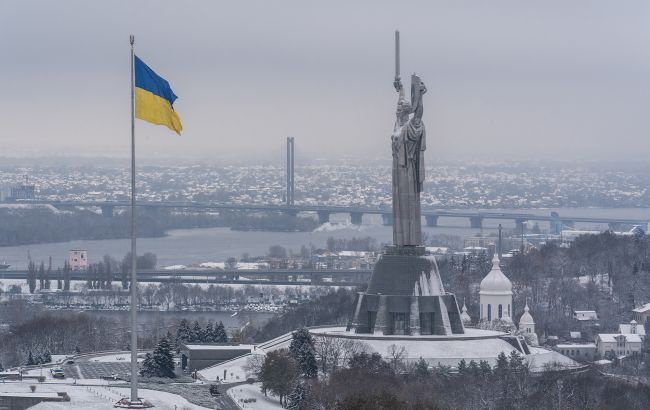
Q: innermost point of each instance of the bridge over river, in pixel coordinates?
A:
(315, 277)
(431, 216)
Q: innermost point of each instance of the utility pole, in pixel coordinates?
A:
(290, 171)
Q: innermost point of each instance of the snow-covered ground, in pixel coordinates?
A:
(97, 397)
(236, 370)
(115, 358)
(253, 391)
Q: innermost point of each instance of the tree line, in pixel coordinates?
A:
(366, 381)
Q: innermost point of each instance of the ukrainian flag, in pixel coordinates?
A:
(154, 98)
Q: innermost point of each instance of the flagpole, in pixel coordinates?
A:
(134, 258)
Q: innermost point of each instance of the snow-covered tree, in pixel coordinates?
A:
(164, 358)
(148, 367)
(161, 362)
(30, 359)
(307, 362)
(208, 333)
(220, 335)
(197, 333)
(296, 400)
(298, 338)
(183, 333)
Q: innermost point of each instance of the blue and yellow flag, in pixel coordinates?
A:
(154, 98)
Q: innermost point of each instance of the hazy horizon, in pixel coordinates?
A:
(506, 79)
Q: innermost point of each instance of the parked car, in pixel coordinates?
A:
(57, 373)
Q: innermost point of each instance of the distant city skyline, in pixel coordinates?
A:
(506, 79)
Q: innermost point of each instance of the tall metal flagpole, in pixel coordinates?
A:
(134, 258)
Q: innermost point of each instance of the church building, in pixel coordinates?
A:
(496, 294)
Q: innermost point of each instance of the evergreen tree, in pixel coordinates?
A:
(66, 275)
(59, 282)
(30, 359)
(148, 366)
(100, 280)
(183, 333)
(31, 276)
(1, 368)
(299, 338)
(307, 362)
(172, 341)
(220, 335)
(124, 271)
(462, 367)
(473, 369)
(502, 363)
(484, 367)
(279, 374)
(41, 276)
(208, 333)
(108, 272)
(422, 369)
(296, 400)
(163, 359)
(89, 279)
(197, 332)
(47, 357)
(48, 274)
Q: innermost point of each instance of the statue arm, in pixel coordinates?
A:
(419, 109)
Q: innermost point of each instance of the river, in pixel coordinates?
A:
(188, 246)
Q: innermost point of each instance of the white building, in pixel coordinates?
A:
(78, 259)
(585, 315)
(614, 344)
(642, 314)
(633, 328)
(464, 316)
(577, 351)
(526, 322)
(496, 294)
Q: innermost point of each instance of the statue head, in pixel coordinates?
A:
(404, 108)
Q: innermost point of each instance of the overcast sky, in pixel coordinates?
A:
(506, 79)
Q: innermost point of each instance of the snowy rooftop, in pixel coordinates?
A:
(470, 333)
(611, 337)
(626, 328)
(219, 347)
(576, 346)
(642, 309)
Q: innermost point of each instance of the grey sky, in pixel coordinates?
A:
(566, 79)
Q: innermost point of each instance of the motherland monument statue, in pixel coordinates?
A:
(409, 144)
(405, 294)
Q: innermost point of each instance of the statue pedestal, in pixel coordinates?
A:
(405, 296)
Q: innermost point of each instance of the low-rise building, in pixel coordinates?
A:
(78, 259)
(610, 345)
(642, 314)
(199, 356)
(632, 328)
(585, 315)
(577, 351)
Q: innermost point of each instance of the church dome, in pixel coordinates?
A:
(496, 283)
(465, 316)
(526, 318)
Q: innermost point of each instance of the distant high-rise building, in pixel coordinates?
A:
(23, 192)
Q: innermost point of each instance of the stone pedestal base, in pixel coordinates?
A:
(135, 404)
(405, 296)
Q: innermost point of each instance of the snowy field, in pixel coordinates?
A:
(96, 397)
(253, 391)
(236, 370)
(116, 358)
